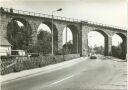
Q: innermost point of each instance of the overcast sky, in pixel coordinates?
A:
(113, 12)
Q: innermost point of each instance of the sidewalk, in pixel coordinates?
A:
(38, 71)
(119, 80)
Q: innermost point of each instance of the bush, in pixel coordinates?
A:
(60, 52)
(7, 57)
(25, 63)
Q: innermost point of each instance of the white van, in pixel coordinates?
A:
(18, 53)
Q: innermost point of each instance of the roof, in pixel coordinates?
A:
(4, 42)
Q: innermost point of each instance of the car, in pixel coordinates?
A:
(33, 54)
(93, 57)
(18, 53)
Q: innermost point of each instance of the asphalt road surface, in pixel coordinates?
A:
(88, 74)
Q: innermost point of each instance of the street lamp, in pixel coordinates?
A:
(88, 48)
(60, 9)
(77, 44)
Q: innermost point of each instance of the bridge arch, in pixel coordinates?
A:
(106, 41)
(122, 46)
(19, 28)
(121, 35)
(21, 20)
(71, 31)
(48, 24)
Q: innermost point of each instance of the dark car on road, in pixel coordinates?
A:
(93, 57)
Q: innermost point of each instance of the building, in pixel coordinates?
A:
(5, 47)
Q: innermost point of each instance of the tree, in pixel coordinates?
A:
(99, 50)
(119, 51)
(19, 37)
(44, 42)
(68, 47)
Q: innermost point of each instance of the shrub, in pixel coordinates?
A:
(25, 63)
(7, 57)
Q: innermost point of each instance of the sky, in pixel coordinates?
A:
(96, 39)
(111, 12)
(69, 35)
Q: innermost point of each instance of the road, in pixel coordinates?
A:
(88, 74)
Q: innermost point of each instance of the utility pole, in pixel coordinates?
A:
(52, 29)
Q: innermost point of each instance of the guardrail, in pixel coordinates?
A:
(39, 15)
(105, 25)
(10, 10)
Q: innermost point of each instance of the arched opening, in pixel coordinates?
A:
(119, 46)
(97, 42)
(70, 39)
(43, 27)
(67, 36)
(19, 34)
(44, 38)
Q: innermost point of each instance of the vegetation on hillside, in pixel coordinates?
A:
(18, 36)
(119, 51)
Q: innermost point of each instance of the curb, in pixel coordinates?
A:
(37, 71)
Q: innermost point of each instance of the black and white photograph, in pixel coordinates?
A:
(63, 44)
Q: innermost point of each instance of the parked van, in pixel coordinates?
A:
(18, 53)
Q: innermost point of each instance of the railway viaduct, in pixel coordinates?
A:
(79, 28)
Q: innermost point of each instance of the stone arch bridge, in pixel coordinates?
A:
(79, 28)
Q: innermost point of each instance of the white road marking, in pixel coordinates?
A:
(50, 84)
(60, 80)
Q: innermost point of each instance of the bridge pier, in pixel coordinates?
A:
(4, 20)
(124, 48)
(85, 46)
(60, 27)
(108, 46)
(60, 38)
(34, 28)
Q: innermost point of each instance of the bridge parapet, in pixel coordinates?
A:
(91, 23)
(22, 12)
(8, 10)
